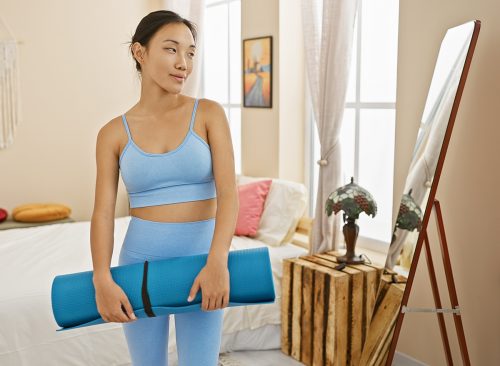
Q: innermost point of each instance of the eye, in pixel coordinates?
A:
(170, 48)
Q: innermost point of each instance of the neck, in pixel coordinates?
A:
(157, 101)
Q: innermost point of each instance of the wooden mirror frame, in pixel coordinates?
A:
(394, 290)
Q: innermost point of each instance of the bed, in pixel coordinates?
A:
(31, 257)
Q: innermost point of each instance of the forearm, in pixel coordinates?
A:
(225, 225)
(101, 243)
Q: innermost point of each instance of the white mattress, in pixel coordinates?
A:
(31, 257)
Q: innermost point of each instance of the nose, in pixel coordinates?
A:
(181, 63)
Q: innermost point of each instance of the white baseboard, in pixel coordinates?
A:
(401, 359)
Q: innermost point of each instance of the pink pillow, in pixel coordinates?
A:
(252, 197)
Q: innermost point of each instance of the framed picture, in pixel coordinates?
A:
(257, 72)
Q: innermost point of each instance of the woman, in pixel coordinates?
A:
(177, 181)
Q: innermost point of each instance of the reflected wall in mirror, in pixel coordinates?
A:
(441, 106)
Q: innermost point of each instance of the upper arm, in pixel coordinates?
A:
(107, 174)
(221, 146)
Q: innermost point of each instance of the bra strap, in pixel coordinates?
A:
(126, 126)
(193, 114)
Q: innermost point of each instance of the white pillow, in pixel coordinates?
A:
(285, 204)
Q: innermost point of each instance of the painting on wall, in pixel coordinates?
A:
(257, 72)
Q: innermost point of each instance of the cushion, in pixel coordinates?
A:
(285, 204)
(40, 212)
(252, 197)
(3, 214)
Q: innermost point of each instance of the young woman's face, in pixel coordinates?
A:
(170, 53)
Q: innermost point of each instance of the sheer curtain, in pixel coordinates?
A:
(194, 11)
(328, 27)
(10, 93)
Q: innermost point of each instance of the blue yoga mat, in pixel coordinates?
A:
(161, 287)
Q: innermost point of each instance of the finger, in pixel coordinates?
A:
(127, 308)
(113, 318)
(218, 304)
(119, 313)
(210, 303)
(204, 303)
(194, 290)
(121, 317)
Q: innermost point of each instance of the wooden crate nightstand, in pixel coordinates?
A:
(325, 311)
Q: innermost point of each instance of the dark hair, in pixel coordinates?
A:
(150, 24)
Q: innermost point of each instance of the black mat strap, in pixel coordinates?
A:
(145, 295)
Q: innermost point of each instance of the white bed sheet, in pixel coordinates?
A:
(31, 257)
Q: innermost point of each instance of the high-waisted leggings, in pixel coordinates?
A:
(198, 334)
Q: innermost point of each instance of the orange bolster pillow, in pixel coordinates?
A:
(40, 212)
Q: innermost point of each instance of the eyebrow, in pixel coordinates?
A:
(172, 40)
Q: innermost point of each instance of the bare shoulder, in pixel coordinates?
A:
(210, 105)
(112, 135)
(213, 112)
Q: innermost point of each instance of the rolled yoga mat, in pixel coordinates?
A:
(161, 287)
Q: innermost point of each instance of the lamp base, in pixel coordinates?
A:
(353, 259)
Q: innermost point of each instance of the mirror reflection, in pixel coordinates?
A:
(442, 92)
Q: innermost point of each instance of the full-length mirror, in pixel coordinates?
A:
(439, 113)
(422, 170)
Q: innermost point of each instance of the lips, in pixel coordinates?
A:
(178, 77)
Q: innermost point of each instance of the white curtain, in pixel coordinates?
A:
(10, 102)
(328, 36)
(194, 11)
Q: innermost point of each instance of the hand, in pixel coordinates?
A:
(213, 280)
(112, 302)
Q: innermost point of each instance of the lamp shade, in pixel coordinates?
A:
(352, 199)
(410, 214)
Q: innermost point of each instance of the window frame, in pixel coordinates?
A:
(357, 105)
(228, 106)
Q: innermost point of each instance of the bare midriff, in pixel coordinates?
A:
(178, 212)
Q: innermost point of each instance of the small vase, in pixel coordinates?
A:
(350, 230)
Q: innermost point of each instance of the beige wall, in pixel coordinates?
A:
(273, 139)
(75, 76)
(468, 189)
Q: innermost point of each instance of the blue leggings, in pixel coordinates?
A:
(198, 334)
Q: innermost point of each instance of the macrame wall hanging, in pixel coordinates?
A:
(10, 101)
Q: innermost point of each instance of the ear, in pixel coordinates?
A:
(138, 51)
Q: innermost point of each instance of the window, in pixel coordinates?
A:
(221, 75)
(368, 129)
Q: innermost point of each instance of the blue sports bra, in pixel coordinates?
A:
(181, 175)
